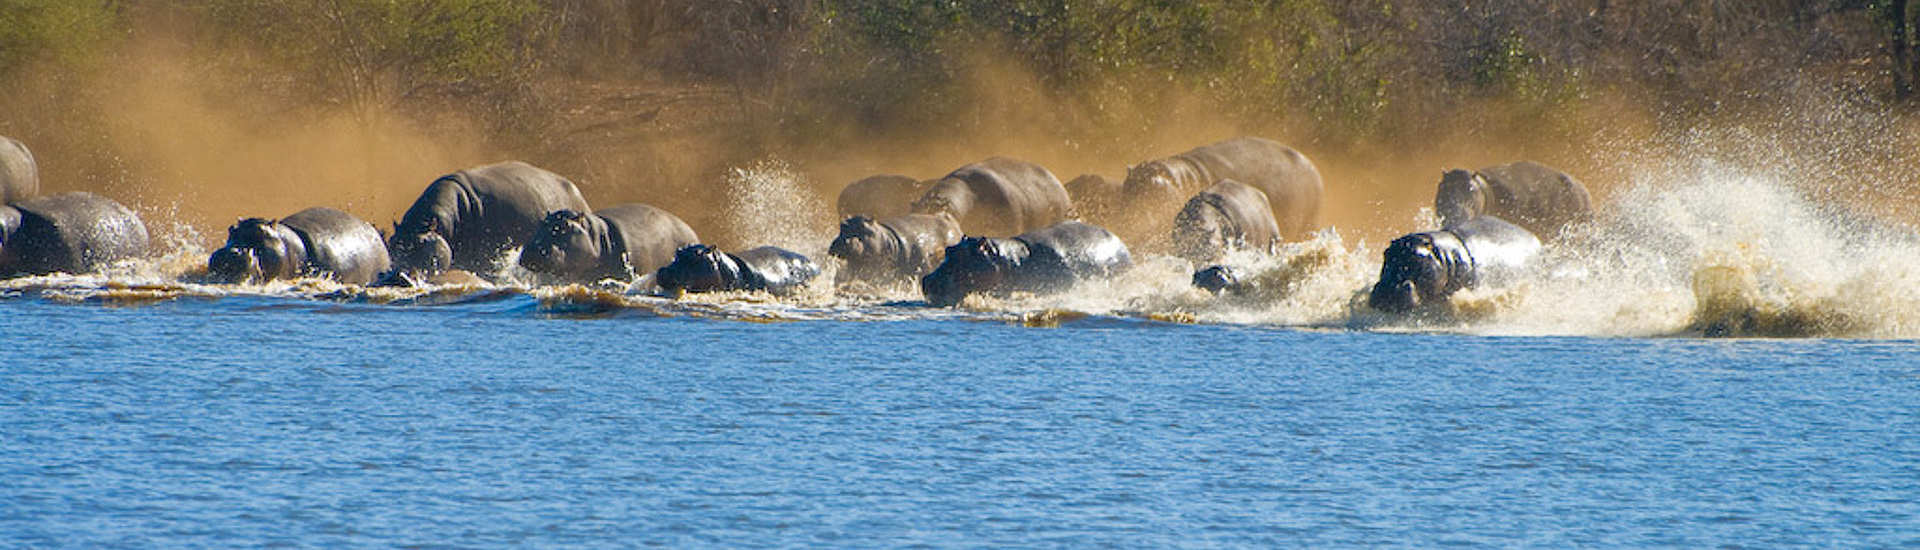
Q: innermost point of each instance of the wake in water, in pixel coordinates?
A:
(1705, 250)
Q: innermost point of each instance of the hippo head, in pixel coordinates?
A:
(562, 245)
(419, 250)
(1462, 196)
(700, 268)
(1202, 233)
(258, 250)
(862, 241)
(975, 263)
(1414, 273)
(1217, 279)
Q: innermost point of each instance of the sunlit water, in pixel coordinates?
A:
(140, 408)
(249, 421)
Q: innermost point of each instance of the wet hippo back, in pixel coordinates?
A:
(1081, 250)
(647, 235)
(70, 232)
(19, 174)
(776, 269)
(1501, 250)
(340, 244)
(702, 268)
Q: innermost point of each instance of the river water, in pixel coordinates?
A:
(497, 420)
(1582, 407)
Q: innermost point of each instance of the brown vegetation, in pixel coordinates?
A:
(206, 110)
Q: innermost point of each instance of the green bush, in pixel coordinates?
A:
(61, 31)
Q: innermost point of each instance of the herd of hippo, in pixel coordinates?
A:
(994, 227)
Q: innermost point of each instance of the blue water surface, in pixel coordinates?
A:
(284, 422)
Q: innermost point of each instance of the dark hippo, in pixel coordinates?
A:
(611, 243)
(882, 196)
(19, 174)
(466, 219)
(1291, 182)
(902, 247)
(316, 242)
(1044, 260)
(702, 268)
(1220, 279)
(70, 232)
(998, 196)
(1526, 193)
(1227, 215)
(1425, 268)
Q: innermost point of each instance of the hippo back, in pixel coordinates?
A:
(73, 232)
(1500, 251)
(340, 244)
(1292, 183)
(881, 196)
(1535, 196)
(19, 174)
(1008, 196)
(482, 212)
(1094, 197)
(647, 234)
(1241, 208)
(1085, 251)
(776, 269)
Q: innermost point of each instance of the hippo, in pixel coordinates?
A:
(1526, 193)
(19, 174)
(1094, 196)
(1291, 182)
(901, 247)
(1227, 215)
(74, 232)
(702, 268)
(882, 196)
(1425, 268)
(998, 197)
(467, 219)
(1046, 260)
(318, 241)
(611, 243)
(1221, 279)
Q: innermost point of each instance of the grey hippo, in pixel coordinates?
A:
(882, 196)
(19, 174)
(611, 243)
(1094, 197)
(1424, 269)
(1225, 216)
(74, 232)
(1046, 260)
(893, 249)
(1526, 193)
(467, 219)
(1292, 183)
(702, 268)
(316, 242)
(999, 196)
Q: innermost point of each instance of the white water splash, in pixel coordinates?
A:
(770, 204)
